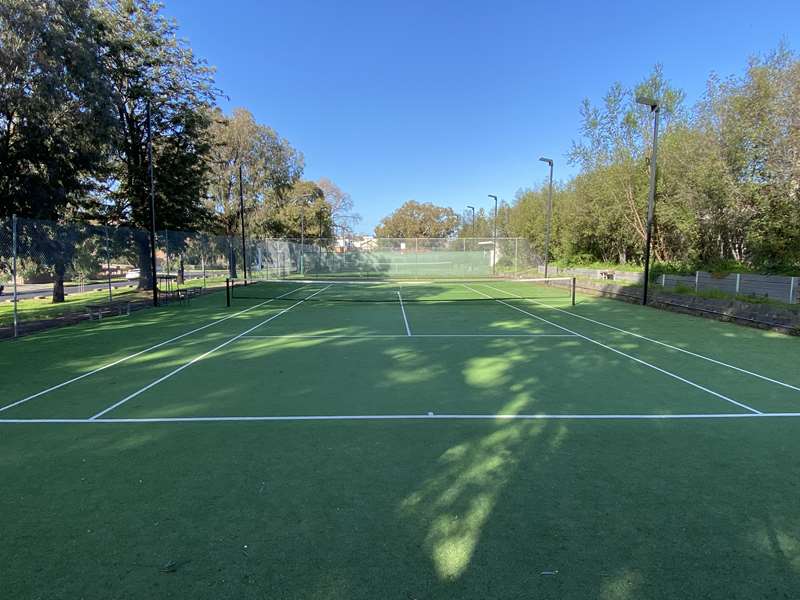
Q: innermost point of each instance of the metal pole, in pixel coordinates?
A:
(651, 204)
(494, 245)
(152, 206)
(302, 238)
(14, 266)
(108, 263)
(241, 211)
(494, 239)
(549, 220)
(472, 208)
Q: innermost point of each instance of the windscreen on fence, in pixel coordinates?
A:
(67, 272)
(391, 258)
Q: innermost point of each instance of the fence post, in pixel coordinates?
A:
(738, 282)
(663, 280)
(203, 265)
(792, 288)
(14, 266)
(696, 281)
(516, 253)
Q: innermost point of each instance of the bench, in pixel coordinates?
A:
(114, 308)
(178, 294)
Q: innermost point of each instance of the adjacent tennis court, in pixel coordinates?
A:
(415, 439)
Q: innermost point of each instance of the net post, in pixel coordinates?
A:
(574, 285)
(227, 291)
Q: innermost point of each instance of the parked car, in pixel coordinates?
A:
(132, 274)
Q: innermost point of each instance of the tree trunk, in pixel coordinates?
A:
(59, 270)
(145, 265)
(180, 270)
(232, 263)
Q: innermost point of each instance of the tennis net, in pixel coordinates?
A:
(556, 289)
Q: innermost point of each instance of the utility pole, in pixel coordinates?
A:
(651, 201)
(494, 240)
(241, 212)
(549, 161)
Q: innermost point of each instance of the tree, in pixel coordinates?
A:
(415, 219)
(341, 205)
(269, 166)
(55, 118)
(145, 63)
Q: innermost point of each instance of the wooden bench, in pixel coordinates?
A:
(116, 308)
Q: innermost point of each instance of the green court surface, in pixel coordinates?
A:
(475, 439)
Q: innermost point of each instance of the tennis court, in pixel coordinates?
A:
(403, 439)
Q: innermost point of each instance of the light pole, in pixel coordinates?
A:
(472, 208)
(241, 211)
(494, 239)
(549, 161)
(651, 201)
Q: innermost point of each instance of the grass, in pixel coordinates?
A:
(37, 309)
(418, 508)
(722, 295)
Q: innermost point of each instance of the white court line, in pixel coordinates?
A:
(621, 353)
(405, 319)
(413, 417)
(660, 343)
(201, 357)
(417, 335)
(159, 345)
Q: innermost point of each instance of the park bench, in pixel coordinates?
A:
(178, 294)
(116, 308)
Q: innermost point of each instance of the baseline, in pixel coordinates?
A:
(414, 417)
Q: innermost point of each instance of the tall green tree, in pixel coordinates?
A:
(414, 219)
(145, 63)
(56, 121)
(269, 167)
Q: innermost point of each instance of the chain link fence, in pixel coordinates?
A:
(55, 273)
(395, 258)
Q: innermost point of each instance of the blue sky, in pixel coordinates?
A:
(450, 101)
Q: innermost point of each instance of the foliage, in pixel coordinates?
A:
(55, 116)
(728, 182)
(414, 219)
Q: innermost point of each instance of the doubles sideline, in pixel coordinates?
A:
(140, 352)
(654, 341)
(620, 352)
